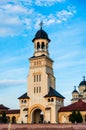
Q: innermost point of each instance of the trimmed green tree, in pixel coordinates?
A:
(75, 117)
(4, 118)
(72, 117)
(79, 117)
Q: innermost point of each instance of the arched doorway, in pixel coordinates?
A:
(37, 116)
(13, 119)
(8, 119)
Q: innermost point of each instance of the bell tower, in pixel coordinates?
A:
(41, 75)
(42, 100)
(41, 42)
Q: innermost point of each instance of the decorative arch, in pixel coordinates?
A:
(64, 118)
(36, 110)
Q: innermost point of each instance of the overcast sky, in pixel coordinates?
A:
(65, 23)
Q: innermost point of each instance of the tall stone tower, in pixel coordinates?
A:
(41, 102)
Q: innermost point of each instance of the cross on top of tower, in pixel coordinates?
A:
(41, 24)
(83, 78)
(75, 87)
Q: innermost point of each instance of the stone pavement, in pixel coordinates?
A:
(43, 127)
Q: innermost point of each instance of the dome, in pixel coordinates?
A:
(41, 34)
(83, 83)
(75, 91)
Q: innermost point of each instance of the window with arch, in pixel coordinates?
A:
(37, 77)
(21, 101)
(34, 78)
(38, 45)
(43, 45)
(24, 101)
(48, 99)
(52, 99)
(37, 89)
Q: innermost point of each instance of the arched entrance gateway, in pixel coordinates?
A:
(37, 116)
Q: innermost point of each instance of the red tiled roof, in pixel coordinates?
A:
(80, 105)
(3, 107)
(11, 111)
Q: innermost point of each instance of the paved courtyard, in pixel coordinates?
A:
(43, 127)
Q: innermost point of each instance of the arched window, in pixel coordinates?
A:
(43, 45)
(24, 101)
(38, 45)
(39, 89)
(48, 99)
(21, 101)
(34, 89)
(39, 78)
(52, 99)
(34, 78)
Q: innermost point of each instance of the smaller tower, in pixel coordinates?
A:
(81, 94)
(82, 86)
(75, 95)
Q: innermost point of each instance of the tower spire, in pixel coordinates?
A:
(83, 78)
(41, 24)
(74, 87)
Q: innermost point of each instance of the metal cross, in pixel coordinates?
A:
(75, 87)
(83, 78)
(41, 24)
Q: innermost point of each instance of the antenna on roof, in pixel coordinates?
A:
(83, 78)
(41, 24)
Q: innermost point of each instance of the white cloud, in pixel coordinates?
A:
(16, 18)
(70, 63)
(47, 2)
(13, 19)
(57, 18)
(24, 2)
(65, 14)
(13, 9)
(6, 82)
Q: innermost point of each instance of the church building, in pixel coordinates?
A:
(80, 93)
(78, 103)
(41, 102)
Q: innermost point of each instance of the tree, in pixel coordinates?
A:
(79, 117)
(72, 117)
(75, 117)
(4, 118)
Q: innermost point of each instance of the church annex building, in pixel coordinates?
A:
(42, 103)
